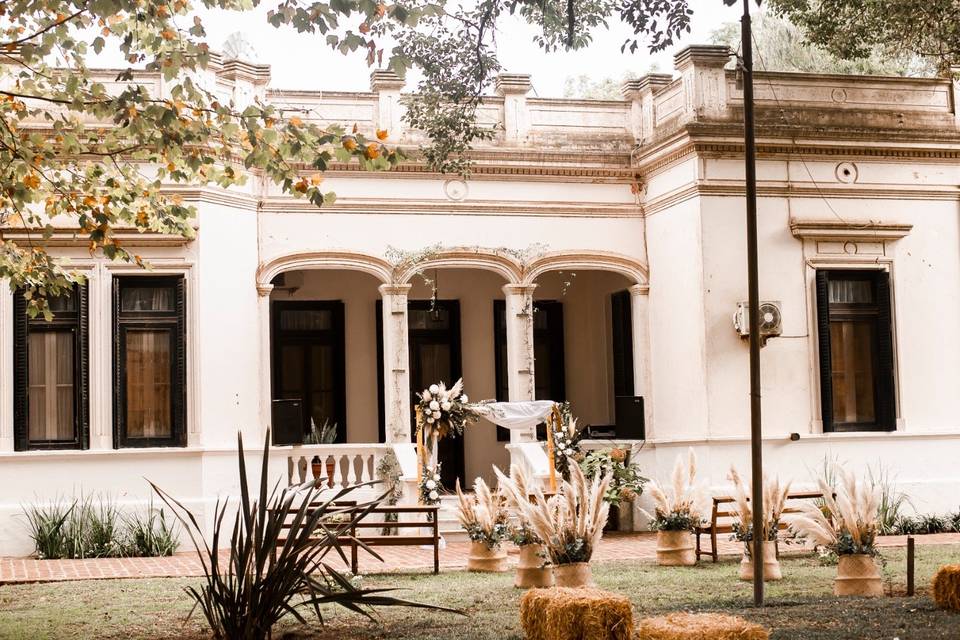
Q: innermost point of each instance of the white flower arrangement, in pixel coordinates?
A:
(430, 485)
(445, 411)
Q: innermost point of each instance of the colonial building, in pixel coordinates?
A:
(596, 252)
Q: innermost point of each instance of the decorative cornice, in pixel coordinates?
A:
(848, 230)
(385, 80)
(282, 204)
(69, 237)
(513, 84)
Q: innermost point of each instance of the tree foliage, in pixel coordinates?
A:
(854, 29)
(779, 45)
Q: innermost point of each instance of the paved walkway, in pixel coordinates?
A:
(632, 546)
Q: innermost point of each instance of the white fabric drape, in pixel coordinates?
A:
(516, 415)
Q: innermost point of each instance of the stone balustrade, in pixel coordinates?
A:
(348, 464)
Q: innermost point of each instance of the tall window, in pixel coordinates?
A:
(856, 351)
(50, 374)
(308, 364)
(149, 361)
(622, 316)
(549, 369)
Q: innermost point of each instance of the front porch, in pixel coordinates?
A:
(353, 350)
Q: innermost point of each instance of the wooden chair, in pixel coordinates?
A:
(723, 516)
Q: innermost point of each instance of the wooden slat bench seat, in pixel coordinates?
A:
(724, 514)
(422, 518)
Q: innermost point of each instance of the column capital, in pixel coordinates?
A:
(264, 290)
(513, 84)
(385, 80)
(394, 289)
(650, 83)
(639, 289)
(519, 289)
(702, 55)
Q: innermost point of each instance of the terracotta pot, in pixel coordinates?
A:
(530, 569)
(675, 549)
(577, 574)
(771, 566)
(857, 575)
(483, 558)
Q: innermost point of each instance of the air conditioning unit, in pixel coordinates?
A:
(771, 320)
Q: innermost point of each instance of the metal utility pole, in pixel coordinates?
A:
(756, 432)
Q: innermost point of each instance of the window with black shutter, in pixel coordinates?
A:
(50, 373)
(149, 351)
(856, 351)
(550, 371)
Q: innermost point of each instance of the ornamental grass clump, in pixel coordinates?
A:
(277, 565)
(483, 515)
(570, 523)
(851, 521)
(774, 501)
(678, 507)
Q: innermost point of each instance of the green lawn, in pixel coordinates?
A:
(801, 606)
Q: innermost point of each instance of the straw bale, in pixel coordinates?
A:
(575, 614)
(699, 626)
(946, 587)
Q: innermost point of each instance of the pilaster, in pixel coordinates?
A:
(701, 68)
(388, 113)
(639, 315)
(520, 360)
(396, 362)
(640, 93)
(516, 118)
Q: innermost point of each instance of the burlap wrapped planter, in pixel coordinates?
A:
(574, 575)
(575, 614)
(946, 587)
(486, 560)
(530, 570)
(675, 549)
(857, 575)
(771, 566)
(699, 626)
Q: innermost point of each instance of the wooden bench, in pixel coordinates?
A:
(358, 536)
(722, 518)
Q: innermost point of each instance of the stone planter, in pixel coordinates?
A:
(530, 570)
(483, 558)
(675, 549)
(857, 575)
(577, 574)
(771, 566)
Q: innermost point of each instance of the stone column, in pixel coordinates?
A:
(520, 365)
(639, 300)
(516, 119)
(388, 112)
(701, 68)
(640, 94)
(396, 362)
(263, 313)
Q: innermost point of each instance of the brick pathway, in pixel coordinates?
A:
(633, 546)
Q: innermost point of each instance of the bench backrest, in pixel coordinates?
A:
(725, 512)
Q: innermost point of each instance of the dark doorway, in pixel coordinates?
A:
(308, 361)
(435, 356)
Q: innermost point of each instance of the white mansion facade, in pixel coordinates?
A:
(596, 252)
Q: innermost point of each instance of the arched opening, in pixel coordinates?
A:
(323, 356)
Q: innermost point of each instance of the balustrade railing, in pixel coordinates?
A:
(337, 465)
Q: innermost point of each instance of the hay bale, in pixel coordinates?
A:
(699, 626)
(575, 614)
(946, 587)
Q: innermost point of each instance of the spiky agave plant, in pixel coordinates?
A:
(678, 507)
(278, 546)
(851, 522)
(774, 501)
(570, 523)
(483, 515)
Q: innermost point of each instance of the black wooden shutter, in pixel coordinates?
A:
(118, 371)
(180, 379)
(823, 340)
(886, 394)
(622, 343)
(83, 367)
(20, 373)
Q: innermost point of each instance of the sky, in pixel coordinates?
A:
(301, 61)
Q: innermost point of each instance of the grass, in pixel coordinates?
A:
(801, 606)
